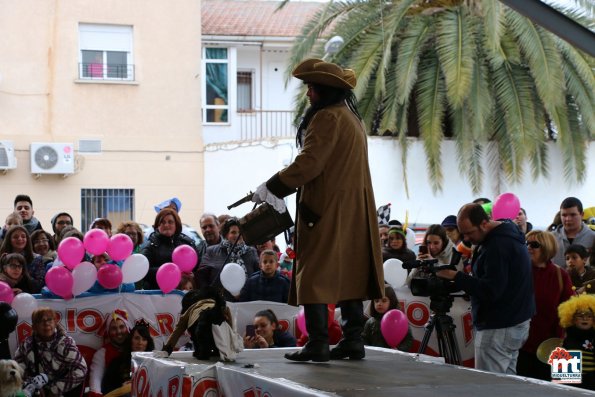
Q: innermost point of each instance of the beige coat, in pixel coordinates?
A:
(338, 255)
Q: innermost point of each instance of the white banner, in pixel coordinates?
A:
(83, 318)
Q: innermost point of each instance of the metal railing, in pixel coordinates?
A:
(102, 71)
(260, 124)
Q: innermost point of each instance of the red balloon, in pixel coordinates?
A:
(394, 326)
(109, 276)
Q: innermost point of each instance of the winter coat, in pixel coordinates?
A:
(260, 288)
(213, 261)
(159, 250)
(585, 237)
(336, 200)
(501, 286)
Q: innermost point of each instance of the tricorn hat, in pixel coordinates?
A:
(320, 72)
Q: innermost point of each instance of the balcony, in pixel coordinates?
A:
(256, 125)
(102, 71)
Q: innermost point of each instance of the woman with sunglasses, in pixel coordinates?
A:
(552, 286)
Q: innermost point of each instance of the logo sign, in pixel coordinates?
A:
(566, 365)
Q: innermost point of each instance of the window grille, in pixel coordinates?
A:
(117, 205)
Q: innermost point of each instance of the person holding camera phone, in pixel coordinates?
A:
(501, 288)
(266, 333)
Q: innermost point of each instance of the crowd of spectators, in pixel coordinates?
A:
(561, 259)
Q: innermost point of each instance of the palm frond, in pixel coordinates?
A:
(493, 26)
(469, 152)
(455, 45)
(570, 143)
(412, 44)
(480, 102)
(542, 57)
(430, 94)
(584, 96)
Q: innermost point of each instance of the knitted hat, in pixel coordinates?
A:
(325, 73)
(55, 218)
(449, 221)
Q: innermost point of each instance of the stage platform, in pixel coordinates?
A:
(382, 373)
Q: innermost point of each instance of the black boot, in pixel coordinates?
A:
(352, 323)
(317, 348)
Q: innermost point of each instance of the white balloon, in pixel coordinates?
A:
(24, 304)
(134, 268)
(233, 278)
(410, 238)
(394, 274)
(84, 276)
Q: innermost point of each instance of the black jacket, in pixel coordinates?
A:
(159, 250)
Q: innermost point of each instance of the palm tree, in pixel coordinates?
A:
(471, 70)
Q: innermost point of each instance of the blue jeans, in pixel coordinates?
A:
(497, 350)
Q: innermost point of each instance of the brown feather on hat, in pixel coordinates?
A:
(320, 72)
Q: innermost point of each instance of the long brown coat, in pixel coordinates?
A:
(338, 254)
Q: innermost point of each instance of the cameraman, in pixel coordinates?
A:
(501, 288)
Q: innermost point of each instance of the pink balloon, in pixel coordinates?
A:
(168, 277)
(109, 276)
(60, 281)
(185, 257)
(6, 294)
(394, 326)
(96, 241)
(120, 247)
(301, 321)
(506, 206)
(71, 251)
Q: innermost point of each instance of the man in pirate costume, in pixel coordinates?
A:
(334, 193)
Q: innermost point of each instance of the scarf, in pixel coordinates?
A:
(237, 254)
(10, 281)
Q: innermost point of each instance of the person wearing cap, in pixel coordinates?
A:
(117, 329)
(396, 247)
(174, 203)
(452, 231)
(334, 192)
(59, 222)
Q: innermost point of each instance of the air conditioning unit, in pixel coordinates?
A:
(52, 158)
(8, 161)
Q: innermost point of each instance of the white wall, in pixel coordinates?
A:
(232, 171)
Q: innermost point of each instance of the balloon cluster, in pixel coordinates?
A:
(168, 276)
(71, 276)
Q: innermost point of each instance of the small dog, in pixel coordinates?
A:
(11, 378)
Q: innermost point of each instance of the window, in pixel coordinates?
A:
(244, 91)
(117, 205)
(216, 94)
(105, 52)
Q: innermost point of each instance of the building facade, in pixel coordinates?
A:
(100, 108)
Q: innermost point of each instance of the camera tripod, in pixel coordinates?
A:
(445, 330)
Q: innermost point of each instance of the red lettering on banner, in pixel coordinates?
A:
(418, 314)
(401, 306)
(206, 387)
(166, 323)
(284, 325)
(70, 320)
(94, 315)
(140, 382)
(172, 387)
(23, 331)
(467, 321)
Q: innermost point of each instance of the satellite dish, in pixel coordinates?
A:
(46, 157)
(333, 45)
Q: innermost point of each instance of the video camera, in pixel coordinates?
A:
(425, 282)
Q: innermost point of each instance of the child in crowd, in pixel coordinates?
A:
(581, 274)
(186, 282)
(267, 333)
(13, 271)
(268, 284)
(372, 334)
(13, 219)
(576, 316)
(286, 265)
